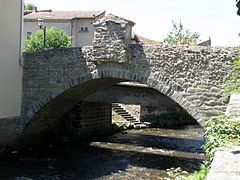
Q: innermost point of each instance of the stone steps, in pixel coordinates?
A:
(128, 117)
(234, 104)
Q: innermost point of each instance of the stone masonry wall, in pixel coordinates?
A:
(147, 111)
(55, 80)
(88, 119)
(192, 76)
(8, 130)
(114, 29)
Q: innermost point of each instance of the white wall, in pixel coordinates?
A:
(10, 70)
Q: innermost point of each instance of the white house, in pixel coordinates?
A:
(77, 24)
(10, 67)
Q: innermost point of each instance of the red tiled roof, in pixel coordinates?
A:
(63, 15)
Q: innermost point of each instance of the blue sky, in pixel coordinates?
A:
(214, 18)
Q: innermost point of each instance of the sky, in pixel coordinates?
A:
(211, 18)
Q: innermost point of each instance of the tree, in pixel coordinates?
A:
(55, 38)
(29, 6)
(232, 81)
(238, 6)
(181, 36)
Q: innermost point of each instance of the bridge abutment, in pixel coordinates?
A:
(8, 130)
(88, 119)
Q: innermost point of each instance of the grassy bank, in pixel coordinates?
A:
(221, 132)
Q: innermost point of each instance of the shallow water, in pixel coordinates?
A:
(130, 155)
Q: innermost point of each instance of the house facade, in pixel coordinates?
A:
(10, 67)
(77, 24)
(10, 50)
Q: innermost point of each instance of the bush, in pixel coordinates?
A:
(199, 175)
(28, 6)
(221, 132)
(55, 38)
(180, 36)
(232, 82)
(179, 174)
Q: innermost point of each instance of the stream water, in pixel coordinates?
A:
(142, 154)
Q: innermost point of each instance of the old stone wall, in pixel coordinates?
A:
(111, 39)
(8, 130)
(88, 119)
(133, 109)
(233, 105)
(147, 111)
(53, 82)
(56, 80)
(130, 94)
(192, 76)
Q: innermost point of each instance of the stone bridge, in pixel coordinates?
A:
(54, 81)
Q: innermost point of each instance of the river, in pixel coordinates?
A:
(142, 154)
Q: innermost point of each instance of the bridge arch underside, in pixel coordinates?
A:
(48, 115)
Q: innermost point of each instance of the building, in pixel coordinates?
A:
(77, 24)
(10, 68)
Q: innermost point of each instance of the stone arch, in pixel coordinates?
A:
(47, 110)
(53, 74)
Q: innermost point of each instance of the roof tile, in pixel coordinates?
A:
(64, 15)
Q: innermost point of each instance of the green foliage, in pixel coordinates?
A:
(220, 132)
(28, 6)
(169, 119)
(232, 82)
(179, 174)
(199, 175)
(180, 36)
(55, 38)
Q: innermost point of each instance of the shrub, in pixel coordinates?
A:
(199, 175)
(181, 36)
(232, 82)
(55, 38)
(179, 174)
(220, 132)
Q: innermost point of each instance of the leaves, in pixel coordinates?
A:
(179, 36)
(220, 132)
(232, 82)
(55, 38)
(28, 6)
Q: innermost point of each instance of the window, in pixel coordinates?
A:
(29, 34)
(83, 29)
